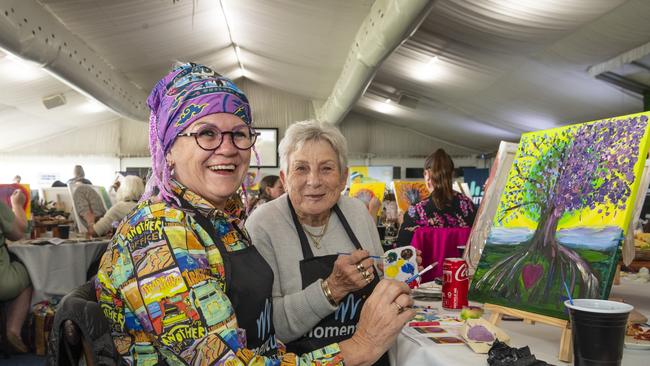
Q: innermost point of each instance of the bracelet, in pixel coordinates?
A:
(328, 293)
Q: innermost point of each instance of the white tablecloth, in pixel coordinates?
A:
(57, 269)
(543, 340)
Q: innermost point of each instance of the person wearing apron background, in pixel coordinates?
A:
(181, 282)
(318, 293)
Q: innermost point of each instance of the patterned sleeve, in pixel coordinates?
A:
(164, 301)
(467, 209)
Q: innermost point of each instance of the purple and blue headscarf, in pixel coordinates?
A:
(189, 92)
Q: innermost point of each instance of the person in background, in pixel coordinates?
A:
(444, 208)
(302, 234)
(270, 189)
(15, 285)
(79, 176)
(373, 208)
(181, 282)
(127, 198)
(390, 205)
(17, 179)
(112, 190)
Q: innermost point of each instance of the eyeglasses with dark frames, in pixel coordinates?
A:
(210, 138)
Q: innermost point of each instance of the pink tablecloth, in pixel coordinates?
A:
(437, 244)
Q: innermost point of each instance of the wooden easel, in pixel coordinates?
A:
(498, 311)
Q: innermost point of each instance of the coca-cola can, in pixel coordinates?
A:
(455, 283)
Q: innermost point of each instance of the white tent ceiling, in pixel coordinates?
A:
(503, 67)
(509, 66)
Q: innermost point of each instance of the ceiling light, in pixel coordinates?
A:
(428, 71)
(386, 107)
(92, 106)
(16, 68)
(387, 101)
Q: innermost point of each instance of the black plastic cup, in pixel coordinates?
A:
(598, 328)
(64, 231)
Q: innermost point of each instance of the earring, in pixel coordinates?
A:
(170, 166)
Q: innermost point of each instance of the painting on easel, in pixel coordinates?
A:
(367, 191)
(562, 215)
(6, 190)
(408, 193)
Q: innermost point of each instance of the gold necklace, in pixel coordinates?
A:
(316, 238)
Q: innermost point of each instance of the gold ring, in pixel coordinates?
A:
(368, 279)
(360, 268)
(400, 308)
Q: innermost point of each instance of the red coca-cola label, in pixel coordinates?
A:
(454, 283)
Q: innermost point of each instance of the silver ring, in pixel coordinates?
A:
(360, 268)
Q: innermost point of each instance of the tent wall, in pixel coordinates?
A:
(368, 137)
(134, 138)
(41, 170)
(275, 108)
(100, 139)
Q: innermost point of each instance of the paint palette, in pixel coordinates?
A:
(400, 263)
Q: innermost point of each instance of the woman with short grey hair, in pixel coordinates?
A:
(301, 132)
(317, 242)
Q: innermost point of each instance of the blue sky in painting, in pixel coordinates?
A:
(602, 238)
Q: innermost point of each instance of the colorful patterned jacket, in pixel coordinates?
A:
(460, 213)
(162, 284)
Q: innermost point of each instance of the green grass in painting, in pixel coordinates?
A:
(598, 260)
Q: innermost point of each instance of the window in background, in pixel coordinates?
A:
(414, 173)
(267, 148)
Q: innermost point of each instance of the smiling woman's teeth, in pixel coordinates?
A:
(228, 167)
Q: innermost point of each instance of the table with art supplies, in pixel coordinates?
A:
(57, 266)
(436, 335)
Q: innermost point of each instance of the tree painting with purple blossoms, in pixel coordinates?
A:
(561, 175)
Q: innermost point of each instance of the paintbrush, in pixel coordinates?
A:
(370, 256)
(428, 268)
(568, 293)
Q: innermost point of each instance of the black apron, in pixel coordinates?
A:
(341, 324)
(249, 294)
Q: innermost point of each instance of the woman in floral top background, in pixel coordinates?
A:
(181, 283)
(444, 208)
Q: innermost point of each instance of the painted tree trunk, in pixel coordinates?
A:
(537, 270)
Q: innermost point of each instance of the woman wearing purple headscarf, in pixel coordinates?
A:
(181, 283)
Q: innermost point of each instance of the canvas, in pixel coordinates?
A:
(367, 191)
(408, 193)
(564, 210)
(629, 250)
(86, 198)
(493, 189)
(369, 174)
(6, 190)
